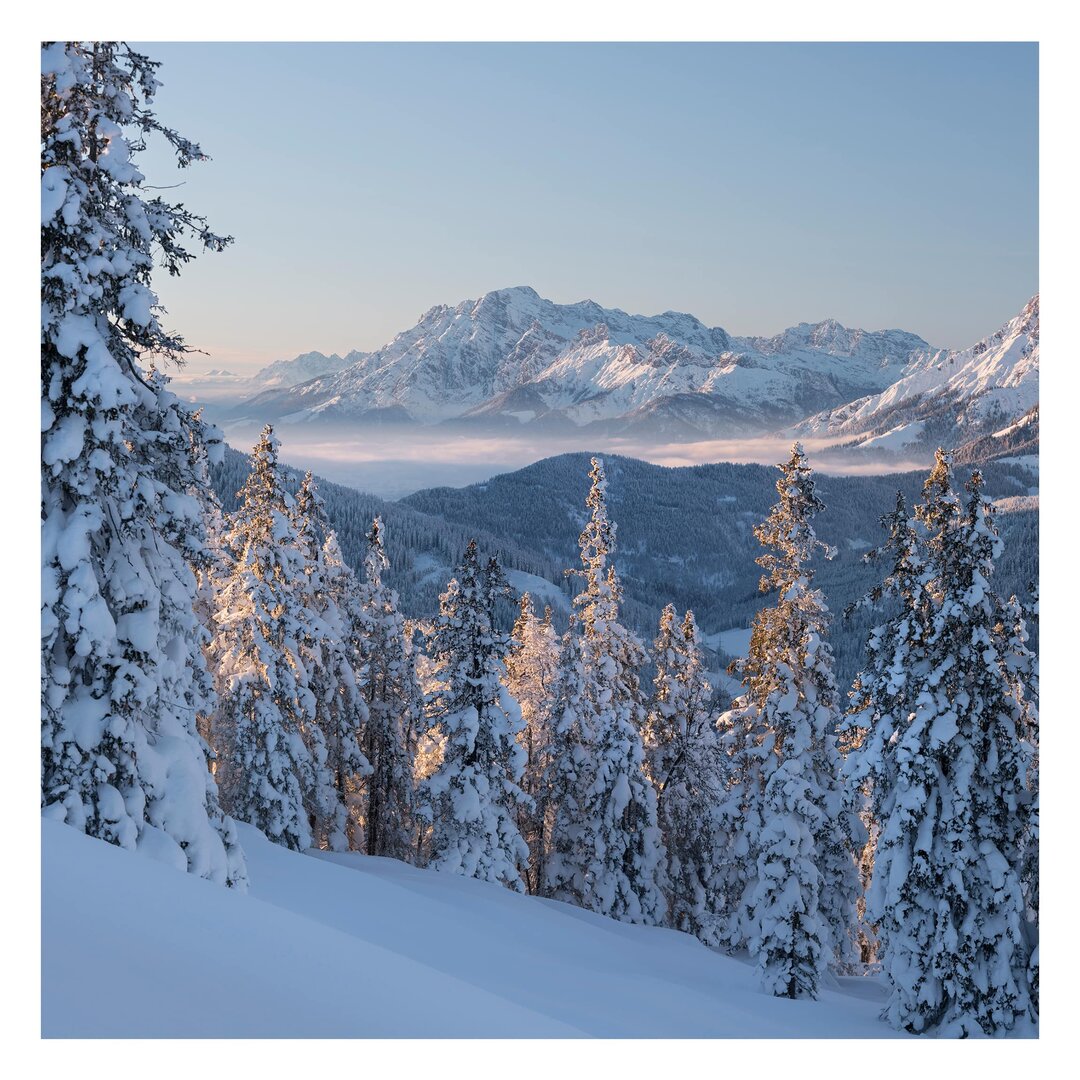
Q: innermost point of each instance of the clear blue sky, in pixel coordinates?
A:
(756, 186)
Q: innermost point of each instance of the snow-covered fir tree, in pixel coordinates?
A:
(123, 677)
(954, 813)
(264, 727)
(1022, 664)
(881, 694)
(340, 709)
(395, 710)
(605, 849)
(790, 831)
(475, 793)
(532, 671)
(566, 762)
(212, 569)
(684, 759)
(1022, 670)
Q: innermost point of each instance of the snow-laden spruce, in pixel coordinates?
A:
(566, 761)
(1022, 666)
(950, 772)
(123, 678)
(606, 853)
(790, 834)
(271, 757)
(475, 793)
(881, 694)
(211, 571)
(341, 713)
(532, 672)
(394, 703)
(685, 762)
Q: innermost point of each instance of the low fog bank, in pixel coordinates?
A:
(393, 461)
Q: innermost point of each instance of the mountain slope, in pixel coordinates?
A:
(422, 549)
(514, 358)
(945, 399)
(685, 535)
(283, 374)
(350, 946)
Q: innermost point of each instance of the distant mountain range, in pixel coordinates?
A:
(513, 360)
(285, 374)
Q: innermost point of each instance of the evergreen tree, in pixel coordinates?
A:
(566, 763)
(263, 728)
(532, 671)
(606, 850)
(881, 695)
(946, 891)
(395, 709)
(792, 834)
(340, 710)
(684, 759)
(474, 794)
(212, 569)
(123, 678)
(1022, 666)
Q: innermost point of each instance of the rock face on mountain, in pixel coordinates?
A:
(985, 392)
(512, 358)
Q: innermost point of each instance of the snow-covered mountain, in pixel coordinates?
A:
(514, 358)
(948, 398)
(283, 374)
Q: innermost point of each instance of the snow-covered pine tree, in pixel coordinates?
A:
(606, 850)
(123, 678)
(747, 747)
(262, 729)
(1022, 669)
(946, 892)
(567, 764)
(340, 710)
(794, 848)
(881, 696)
(684, 759)
(532, 671)
(429, 739)
(475, 793)
(211, 570)
(395, 710)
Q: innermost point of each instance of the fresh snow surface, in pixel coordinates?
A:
(349, 945)
(897, 438)
(733, 642)
(543, 592)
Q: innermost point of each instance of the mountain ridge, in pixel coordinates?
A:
(585, 366)
(955, 398)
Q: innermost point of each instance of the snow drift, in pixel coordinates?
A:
(351, 946)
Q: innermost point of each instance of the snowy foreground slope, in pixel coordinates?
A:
(346, 945)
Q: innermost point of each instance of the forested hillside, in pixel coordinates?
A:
(422, 548)
(685, 535)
